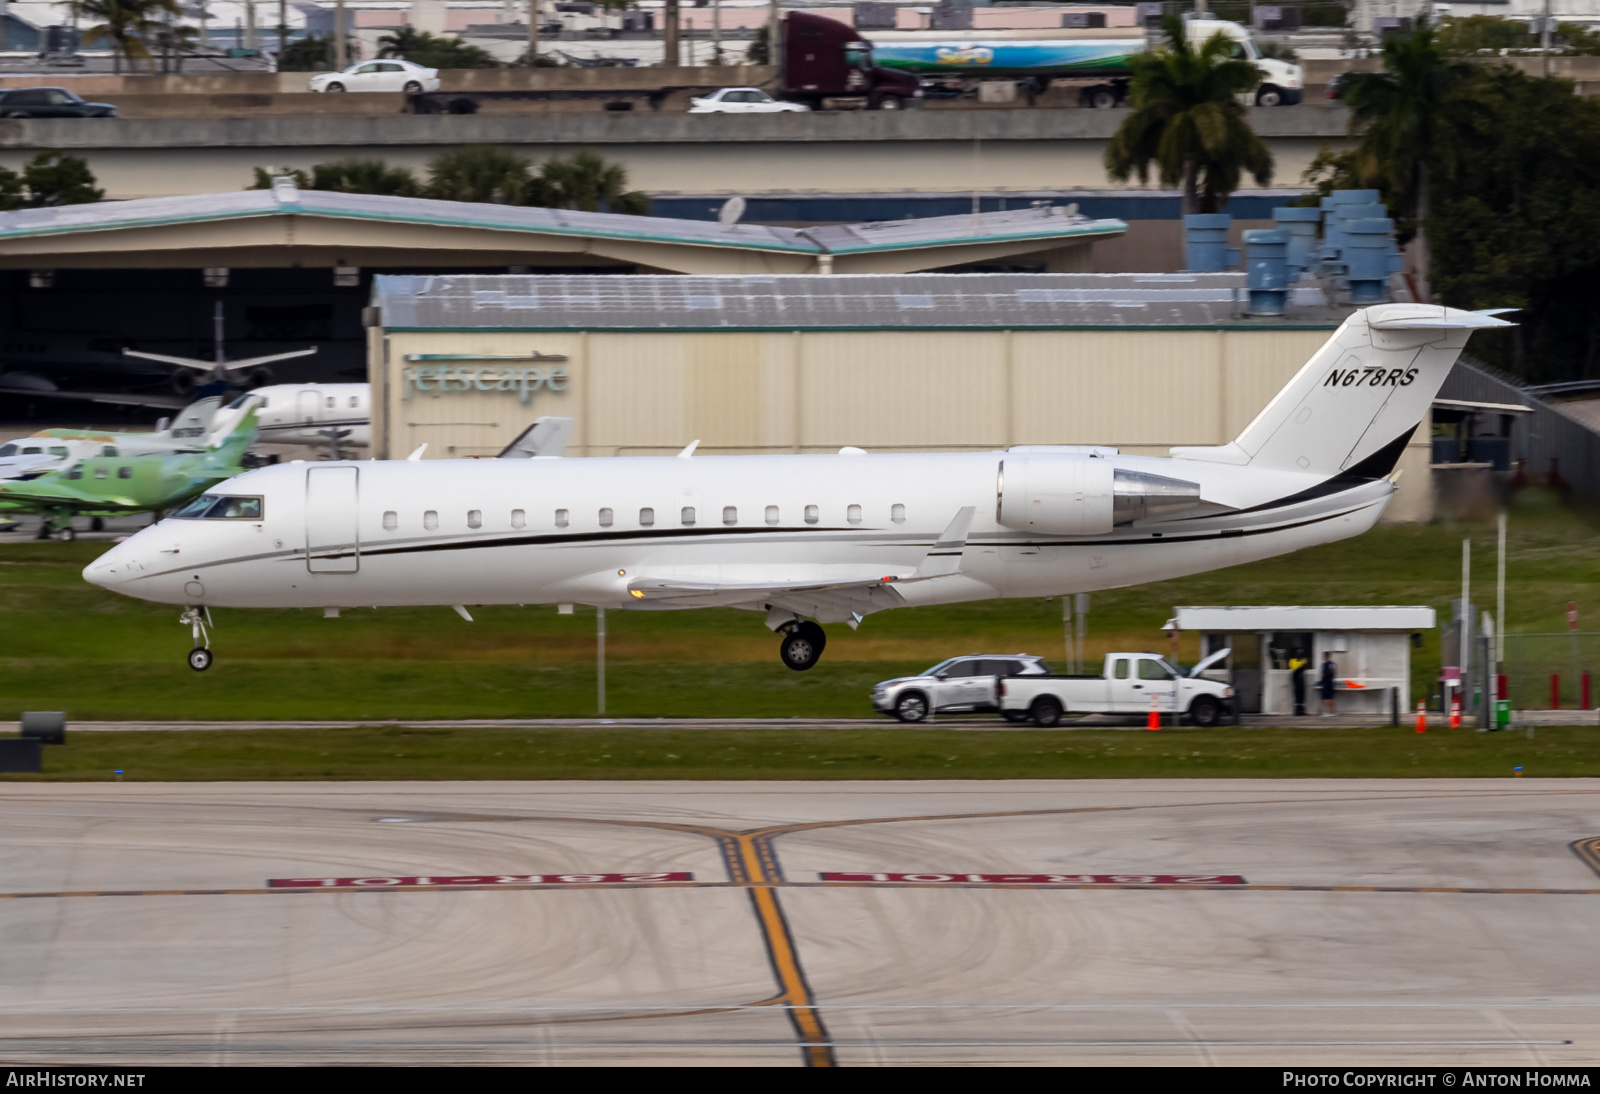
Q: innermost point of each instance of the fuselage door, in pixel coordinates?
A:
(306, 403)
(332, 539)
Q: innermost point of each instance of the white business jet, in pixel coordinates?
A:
(810, 539)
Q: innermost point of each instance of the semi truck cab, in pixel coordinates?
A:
(825, 59)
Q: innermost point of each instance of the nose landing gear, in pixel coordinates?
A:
(199, 619)
(802, 645)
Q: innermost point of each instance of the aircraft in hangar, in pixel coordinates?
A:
(811, 539)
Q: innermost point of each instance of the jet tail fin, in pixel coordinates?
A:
(228, 450)
(193, 423)
(1358, 397)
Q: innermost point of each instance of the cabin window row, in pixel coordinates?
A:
(687, 516)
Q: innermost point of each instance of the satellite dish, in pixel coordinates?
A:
(731, 210)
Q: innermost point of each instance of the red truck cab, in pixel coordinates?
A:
(825, 59)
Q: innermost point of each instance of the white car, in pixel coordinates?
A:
(968, 683)
(389, 75)
(743, 100)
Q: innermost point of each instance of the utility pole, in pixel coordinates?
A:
(533, 32)
(1066, 628)
(1544, 38)
(716, 32)
(774, 22)
(1500, 596)
(341, 59)
(669, 33)
(283, 29)
(1465, 622)
(600, 657)
(1081, 601)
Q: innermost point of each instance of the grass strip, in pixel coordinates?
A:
(404, 753)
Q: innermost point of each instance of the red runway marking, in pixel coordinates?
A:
(1045, 879)
(397, 881)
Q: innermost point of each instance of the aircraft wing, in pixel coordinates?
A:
(165, 402)
(829, 594)
(832, 600)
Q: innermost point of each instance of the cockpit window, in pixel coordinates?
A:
(220, 507)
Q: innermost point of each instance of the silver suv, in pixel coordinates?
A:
(960, 684)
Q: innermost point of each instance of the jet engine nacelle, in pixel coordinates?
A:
(1068, 496)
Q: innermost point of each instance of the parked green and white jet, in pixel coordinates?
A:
(105, 486)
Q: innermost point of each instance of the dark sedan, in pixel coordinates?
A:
(50, 102)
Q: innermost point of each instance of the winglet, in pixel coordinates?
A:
(687, 452)
(417, 455)
(944, 557)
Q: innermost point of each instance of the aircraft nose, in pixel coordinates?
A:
(111, 569)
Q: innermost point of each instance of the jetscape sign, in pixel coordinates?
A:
(450, 374)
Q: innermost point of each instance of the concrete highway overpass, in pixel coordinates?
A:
(830, 152)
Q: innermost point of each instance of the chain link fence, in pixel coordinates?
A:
(1531, 660)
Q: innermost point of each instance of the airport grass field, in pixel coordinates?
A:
(98, 656)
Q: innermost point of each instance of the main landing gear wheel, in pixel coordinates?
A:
(802, 647)
(199, 659)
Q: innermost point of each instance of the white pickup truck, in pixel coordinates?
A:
(1130, 683)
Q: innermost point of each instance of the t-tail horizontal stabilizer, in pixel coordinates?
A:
(1362, 393)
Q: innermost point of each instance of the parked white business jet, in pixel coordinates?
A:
(810, 539)
(338, 415)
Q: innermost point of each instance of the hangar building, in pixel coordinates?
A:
(807, 363)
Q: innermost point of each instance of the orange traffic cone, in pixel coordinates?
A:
(1153, 721)
(1455, 714)
(1422, 718)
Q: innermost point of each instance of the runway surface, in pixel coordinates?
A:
(1439, 922)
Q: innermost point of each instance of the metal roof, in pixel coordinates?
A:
(1296, 618)
(842, 301)
(290, 200)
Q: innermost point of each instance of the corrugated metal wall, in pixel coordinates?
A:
(1544, 436)
(815, 391)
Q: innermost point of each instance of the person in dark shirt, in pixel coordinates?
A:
(1325, 685)
(1298, 663)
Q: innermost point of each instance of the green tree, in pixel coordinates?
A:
(1409, 117)
(352, 176)
(587, 182)
(479, 172)
(1517, 224)
(1578, 41)
(128, 25)
(433, 51)
(50, 178)
(759, 51)
(1188, 122)
(1480, 33)
(310, 54)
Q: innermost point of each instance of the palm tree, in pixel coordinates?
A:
(1408, 117)
(586, 182)
(1187, 120)
(129, 24)
(479, 172)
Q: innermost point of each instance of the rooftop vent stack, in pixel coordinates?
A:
(1333, 217)
(1301, 224)
(1266, 270)
(1370, 257)
(1205, 243)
